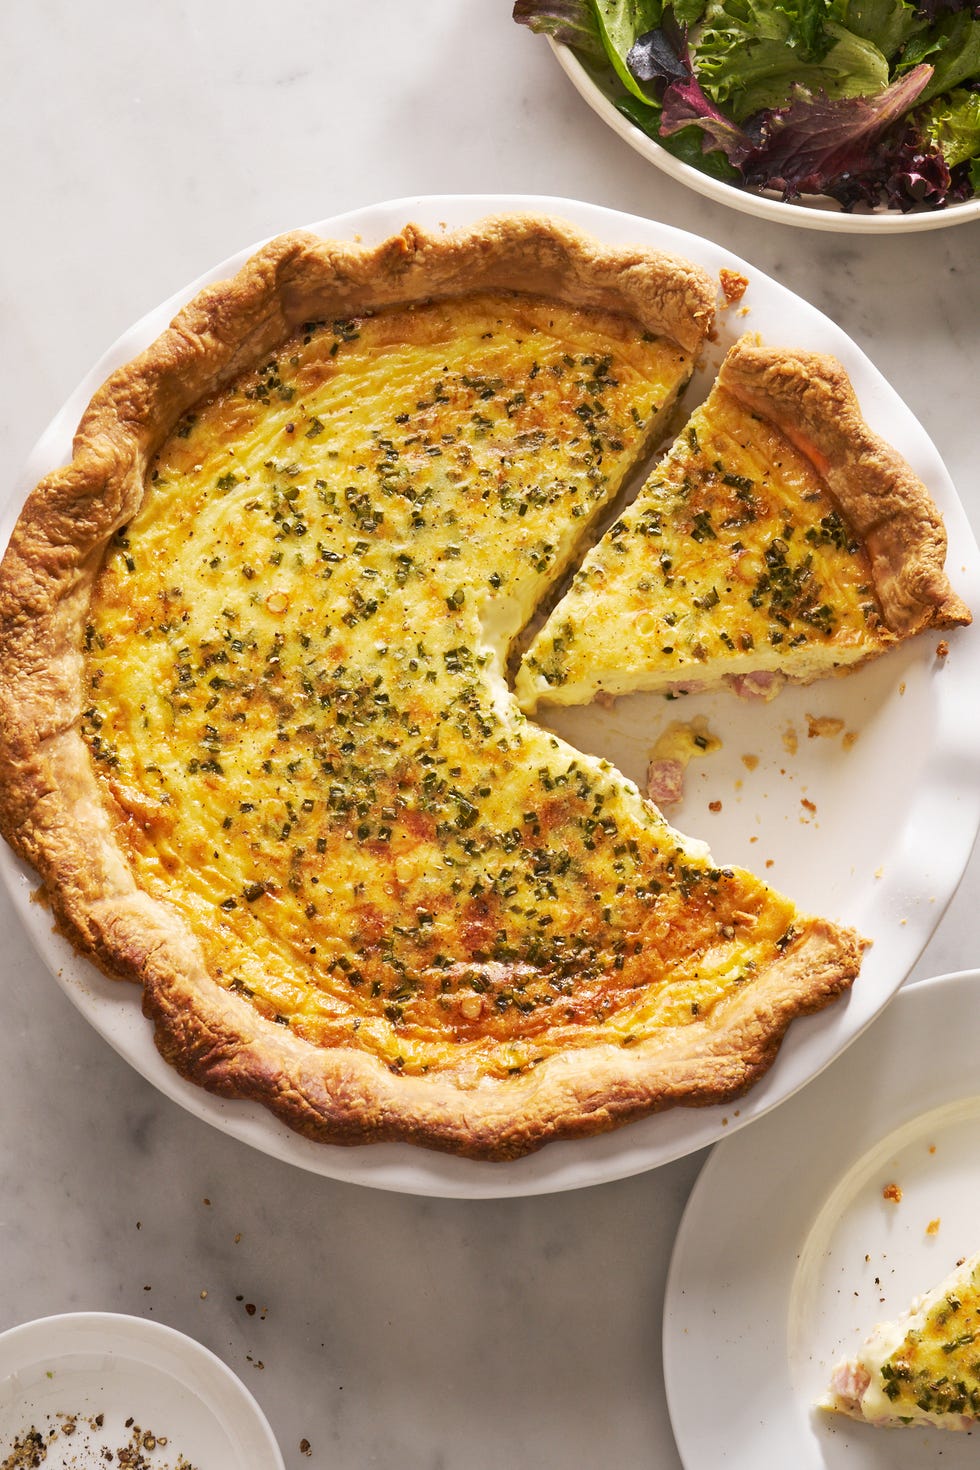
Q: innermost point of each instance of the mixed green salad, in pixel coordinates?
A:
(871, 102)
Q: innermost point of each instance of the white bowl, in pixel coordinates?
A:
(818, 213)
(93, 1383)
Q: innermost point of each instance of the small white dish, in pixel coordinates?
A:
(91, 1384)
(794, 1245)
(813, 212)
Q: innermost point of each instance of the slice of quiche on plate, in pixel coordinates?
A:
(923, 1368)
(780, 538)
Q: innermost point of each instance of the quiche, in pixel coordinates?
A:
(256, 729)
(923, 1368)
(780, 538)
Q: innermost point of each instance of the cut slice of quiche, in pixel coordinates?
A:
(779, 538)
(923, 1367)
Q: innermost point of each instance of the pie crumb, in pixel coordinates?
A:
(892, 1192)
(733, 285)
(677, 746)
(823, 725)
(933, 1227)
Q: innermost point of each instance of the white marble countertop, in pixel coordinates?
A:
(141, 145)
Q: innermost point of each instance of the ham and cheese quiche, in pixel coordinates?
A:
(257, 735)
(779, 538)
(923, 1368)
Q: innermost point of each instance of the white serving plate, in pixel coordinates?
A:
(90, 1364)
(816, 213)
(789, 1252)
(863, 856)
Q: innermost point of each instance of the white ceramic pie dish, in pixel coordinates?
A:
(859, 856)
(812, 212)
(90, 1384)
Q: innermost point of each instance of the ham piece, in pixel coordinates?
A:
(763, 684)
(665, 781)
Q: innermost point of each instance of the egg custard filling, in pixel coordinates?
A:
(257, 730)
(737, 563)
(922, 1368)
(296, 702)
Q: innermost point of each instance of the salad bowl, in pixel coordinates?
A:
(904, 158)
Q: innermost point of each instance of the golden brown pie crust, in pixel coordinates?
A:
(51, 808)
(810, 397)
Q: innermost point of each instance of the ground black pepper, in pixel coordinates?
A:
(92, 1445)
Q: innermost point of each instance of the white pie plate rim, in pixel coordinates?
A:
(789, 1252)
(86, 1363)
(899, 906)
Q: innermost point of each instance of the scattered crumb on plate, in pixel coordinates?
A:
(679, 744)
(826, 726)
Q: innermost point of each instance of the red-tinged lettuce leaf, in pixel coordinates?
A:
(685, 105)
(816, 143)
(936, 9)
(658, 57)
(907, 172)
(569, 22)
(852, 148)
(687, 145)
(662, 61)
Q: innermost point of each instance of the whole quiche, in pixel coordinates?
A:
(258, 727)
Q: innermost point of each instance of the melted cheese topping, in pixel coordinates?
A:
(298, 712)
(733, 560)
(925, 1366)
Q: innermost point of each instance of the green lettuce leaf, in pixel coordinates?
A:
(619, 23)
(749, 56)
(952, 124)
(687, 12)
(953, 51)
(890, 24)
